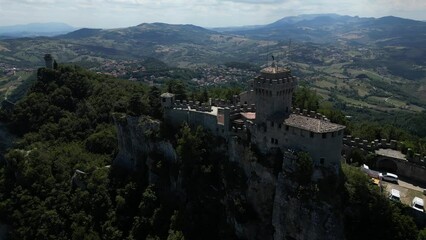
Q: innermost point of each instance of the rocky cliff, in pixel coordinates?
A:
(261, 198)
(138, 144)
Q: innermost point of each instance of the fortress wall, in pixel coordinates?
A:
(176, 117)
(353, 142)
(220, 102)
(329, 148)
(247, 97)
(207, 121)
(407, 169)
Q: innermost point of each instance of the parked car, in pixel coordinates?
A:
(395, 195)
(418, 204)
(389, 177)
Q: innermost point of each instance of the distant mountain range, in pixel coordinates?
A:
(329, 28)
(188, 44)
(35, 30)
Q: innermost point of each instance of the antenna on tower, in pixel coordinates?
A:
(289, 51)
(267, 55)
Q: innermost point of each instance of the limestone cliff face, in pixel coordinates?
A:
(303, 219)
(281, 214)
(137, 142)
(261, 184)
(271, 208)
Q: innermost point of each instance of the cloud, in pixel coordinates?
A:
(257, 2)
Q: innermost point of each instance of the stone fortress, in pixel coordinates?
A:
(264, 116)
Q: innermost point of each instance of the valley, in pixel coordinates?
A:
(347, 63)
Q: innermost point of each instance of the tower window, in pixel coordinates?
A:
(272, 124)
(272, 140)
(322, 161)
(312, 134)
(324, 135)
(287, 127)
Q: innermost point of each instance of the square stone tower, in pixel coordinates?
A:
(273, 91)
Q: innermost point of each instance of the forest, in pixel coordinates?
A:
(59, 180)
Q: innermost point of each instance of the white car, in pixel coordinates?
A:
(390, 177)
(418, 204)
(395, 195)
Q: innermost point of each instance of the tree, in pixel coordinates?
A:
(135, 107)
(154, 103)
(304, 98)
(304, 168)
(422, 235)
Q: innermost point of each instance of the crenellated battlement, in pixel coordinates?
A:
(220, 102)
(287, 82)
(312, 114)
(242, 108)
(372, 146)
(191, 105)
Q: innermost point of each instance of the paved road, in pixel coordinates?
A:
(410, 186)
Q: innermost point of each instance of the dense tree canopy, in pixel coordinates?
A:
(58, 182)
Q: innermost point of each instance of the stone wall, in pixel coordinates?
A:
(371, 146)
(247, 97)
(325, 149)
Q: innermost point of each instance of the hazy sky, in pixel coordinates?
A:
(207, 13)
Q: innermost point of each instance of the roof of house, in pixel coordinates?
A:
(312, 124)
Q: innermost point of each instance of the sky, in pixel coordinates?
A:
(206, 13)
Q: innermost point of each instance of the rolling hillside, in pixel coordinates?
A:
(362, 62)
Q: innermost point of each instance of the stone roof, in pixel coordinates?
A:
(312, 124)
(167, 94)
(391, 153)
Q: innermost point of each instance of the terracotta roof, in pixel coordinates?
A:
(312, 124)
(249, 115)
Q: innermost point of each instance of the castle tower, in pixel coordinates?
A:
(273, 91)
(48, 59)
(167, 100)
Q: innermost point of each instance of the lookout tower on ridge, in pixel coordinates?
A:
(273, 91)
(48, 59)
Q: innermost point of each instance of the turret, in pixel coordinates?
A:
(273, 91)
(167, 100)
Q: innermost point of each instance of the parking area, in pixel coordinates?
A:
(406, 194)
